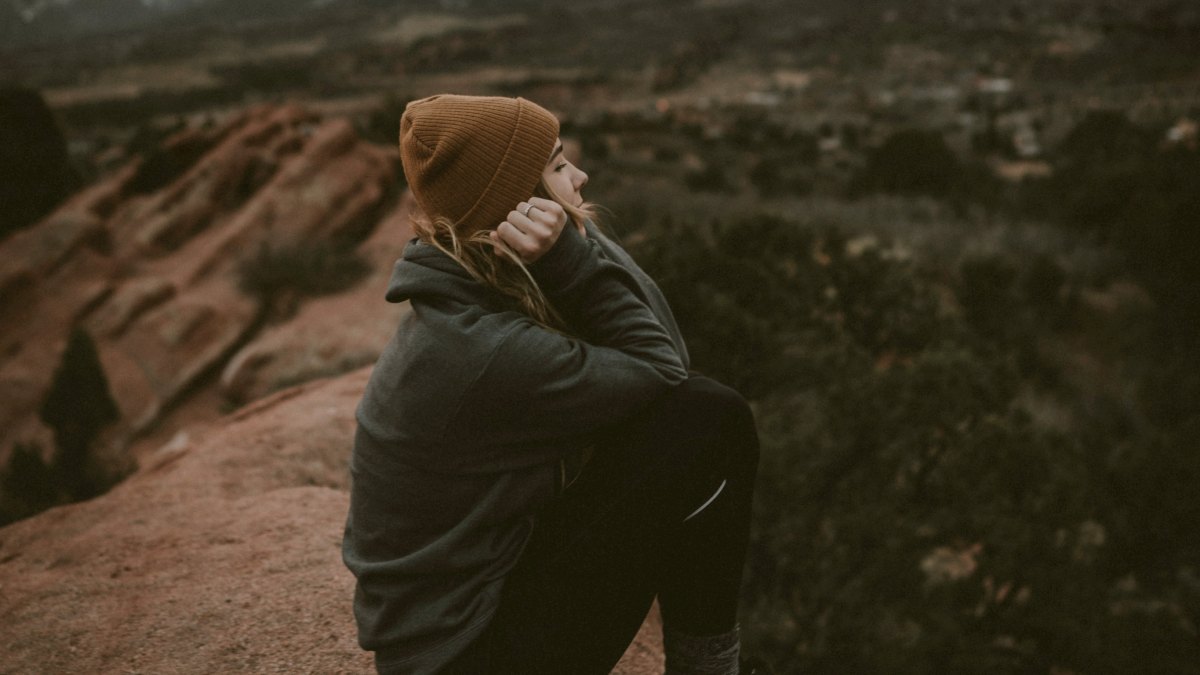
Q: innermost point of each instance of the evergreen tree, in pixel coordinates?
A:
(78, 406)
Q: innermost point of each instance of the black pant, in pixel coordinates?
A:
(617, 537)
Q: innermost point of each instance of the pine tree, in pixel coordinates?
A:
(78, 406)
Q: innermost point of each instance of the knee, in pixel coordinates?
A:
(707, 398)
(723, 413)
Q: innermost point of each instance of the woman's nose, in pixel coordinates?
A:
(581, 179)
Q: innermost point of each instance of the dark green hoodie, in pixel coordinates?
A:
(461, 430)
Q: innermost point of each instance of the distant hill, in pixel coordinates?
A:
(25, 23)
(41, 21)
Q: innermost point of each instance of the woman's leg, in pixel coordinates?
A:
(708, 550)
(618, 536)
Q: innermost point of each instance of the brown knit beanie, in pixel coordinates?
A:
(473, 158)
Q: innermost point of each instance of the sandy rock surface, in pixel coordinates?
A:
(220, 556)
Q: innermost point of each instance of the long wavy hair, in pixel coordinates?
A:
(474, 251)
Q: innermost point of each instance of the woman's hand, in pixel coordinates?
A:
(531, 229)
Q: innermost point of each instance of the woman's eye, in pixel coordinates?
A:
(560, 166)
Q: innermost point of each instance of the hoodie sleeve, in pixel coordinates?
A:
(541, 385)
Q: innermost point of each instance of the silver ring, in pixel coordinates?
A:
(525, 212)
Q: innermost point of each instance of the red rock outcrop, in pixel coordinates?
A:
(147, 261)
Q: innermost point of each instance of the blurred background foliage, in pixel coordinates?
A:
(975, 459)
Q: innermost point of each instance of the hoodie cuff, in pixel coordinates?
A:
(558, 266)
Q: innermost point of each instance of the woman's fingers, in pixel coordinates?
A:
(532, 228)
(535, 233)
(528, 243)
(498, 244)
(532, 221)
(517, 240)
(550, 211)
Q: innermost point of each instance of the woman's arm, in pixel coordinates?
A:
(542, 385)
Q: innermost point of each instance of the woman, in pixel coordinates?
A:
(533, 464)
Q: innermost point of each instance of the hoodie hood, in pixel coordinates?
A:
(424, 272)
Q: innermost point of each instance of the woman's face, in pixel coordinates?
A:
(563, 177)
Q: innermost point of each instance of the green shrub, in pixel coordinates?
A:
(709, 179)
(1113, 181)
(773, 177)
(27, 485)
(988, 293)
(912, 162)
(916, 162)
(301, 268)
(382, 124)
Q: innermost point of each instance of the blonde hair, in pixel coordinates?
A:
(475, 252)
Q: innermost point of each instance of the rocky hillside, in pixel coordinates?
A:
(202, 273)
